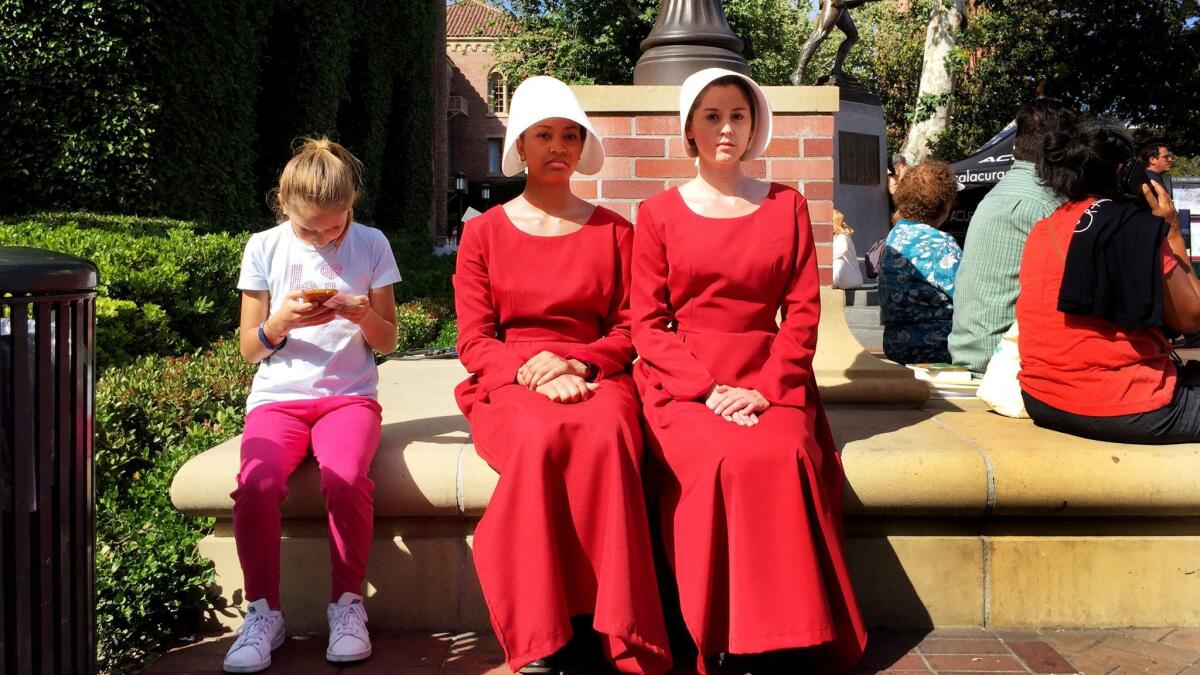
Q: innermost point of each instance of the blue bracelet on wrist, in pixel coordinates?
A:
(262, 337)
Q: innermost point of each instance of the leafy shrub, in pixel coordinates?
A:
(125, 331)
(165, 270)
(417, 324)
(422, 323)
(160, 266)
(145, 226)
(447, 337)
(416, 328)
(152, 587)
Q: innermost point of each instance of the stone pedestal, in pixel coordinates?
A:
(860, 166)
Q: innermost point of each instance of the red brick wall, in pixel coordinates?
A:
(470, 65)
(645, 156)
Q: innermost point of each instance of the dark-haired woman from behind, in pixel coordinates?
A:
(1101, 278)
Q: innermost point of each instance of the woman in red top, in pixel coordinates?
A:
(541, 291)
(751, 483)
(1100, 278)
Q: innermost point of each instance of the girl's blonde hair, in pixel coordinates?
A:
(321, 173)
(839, 224)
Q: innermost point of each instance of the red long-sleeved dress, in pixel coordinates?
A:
(751, 516)
(566, 531)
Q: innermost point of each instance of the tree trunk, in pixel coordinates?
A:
(937, 88)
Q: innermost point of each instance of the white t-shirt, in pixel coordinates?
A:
(332, 359)
(845, 263)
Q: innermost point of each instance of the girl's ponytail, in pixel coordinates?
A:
(321, 173)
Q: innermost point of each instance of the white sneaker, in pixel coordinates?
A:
(261, 634)
(348, 638)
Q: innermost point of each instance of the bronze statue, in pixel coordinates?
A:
(834, 13)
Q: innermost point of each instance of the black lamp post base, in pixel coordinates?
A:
(672, 64)
(689, 36)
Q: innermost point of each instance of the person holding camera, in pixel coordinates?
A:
(1159, 162)
(1101, 279)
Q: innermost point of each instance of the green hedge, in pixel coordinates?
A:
(188, 109)
(424, 275)
(422, 322)
(152, 587)
(166, 287)
(76, 117)
(125, 331)
(158, 275)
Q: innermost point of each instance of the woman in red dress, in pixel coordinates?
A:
(751, 483)
(542, 293)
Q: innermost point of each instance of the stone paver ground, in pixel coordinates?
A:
(1167, 651)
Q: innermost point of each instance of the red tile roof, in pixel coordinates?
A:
(473, 18)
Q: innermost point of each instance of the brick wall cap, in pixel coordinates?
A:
(664, 99)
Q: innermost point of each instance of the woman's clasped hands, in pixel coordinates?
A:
(558, 379)
(737, 405)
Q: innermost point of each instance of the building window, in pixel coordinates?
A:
(497, 93)
(495, 154)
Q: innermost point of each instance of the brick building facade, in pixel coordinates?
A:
(477, 108)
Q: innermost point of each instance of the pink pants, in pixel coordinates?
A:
(343, 432)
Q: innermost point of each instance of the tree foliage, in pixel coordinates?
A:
(1136, 61)
(1131, 61)
(598, 41)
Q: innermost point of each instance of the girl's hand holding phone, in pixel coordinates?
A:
(297, 312)
(353, 308)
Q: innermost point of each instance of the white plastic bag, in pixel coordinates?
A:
(1000, 389)
(845, 263)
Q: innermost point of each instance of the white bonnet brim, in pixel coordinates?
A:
(540, 98)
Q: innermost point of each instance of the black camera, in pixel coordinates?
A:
(1130, 179)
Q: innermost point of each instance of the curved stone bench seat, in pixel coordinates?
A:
(955, 516)
(898, 462)
(977, 463)
(425, 467)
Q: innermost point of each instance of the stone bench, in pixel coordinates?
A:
(955, 516)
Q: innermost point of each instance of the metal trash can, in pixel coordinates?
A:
(47, 535)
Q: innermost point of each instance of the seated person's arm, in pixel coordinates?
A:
(1181, 288)
(1181, 300)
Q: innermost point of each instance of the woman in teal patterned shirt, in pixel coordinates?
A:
(916, 273)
